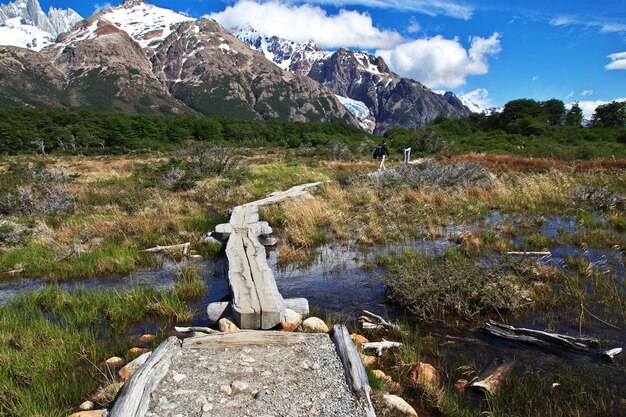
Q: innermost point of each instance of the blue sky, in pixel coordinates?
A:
(501, 50)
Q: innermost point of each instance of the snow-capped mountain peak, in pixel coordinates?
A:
(147, 24)
(23, 23)
(287, 54)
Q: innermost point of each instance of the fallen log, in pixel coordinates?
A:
(134, 397)
(540, 338)
(490, 378)
(549, 340)
(158, 249)
(356, 377)
(380, 346)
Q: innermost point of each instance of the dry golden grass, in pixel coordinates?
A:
(505, 163)
(304, 219)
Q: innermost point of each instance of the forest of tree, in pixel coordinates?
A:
(525, 127)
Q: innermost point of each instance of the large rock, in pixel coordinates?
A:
(396, 403)
(291, 321)
(130, 368)
(315, 325)
(227, 326)
(358, 339)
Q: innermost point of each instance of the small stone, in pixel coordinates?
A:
(227, 326)
(90, 413)
(394, 402)
(206, 415)
(179, 377)
(248, 359)
(461, 384)
(315, 366)
(315, 325)
(313, 411)
(136, 351)
(147, 338)
(259, 395)
(86, 406)
(239, 386)
(303, 365)
(115, 362)
(163, 400)
(266, 373)
(226, 389)
(381, 375)
(291, 321)
(367, 359)
(555, 385)
(207, 407)
(358, 339)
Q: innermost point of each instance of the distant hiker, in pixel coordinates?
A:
(381, 152)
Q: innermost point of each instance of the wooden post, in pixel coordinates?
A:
(407, 156)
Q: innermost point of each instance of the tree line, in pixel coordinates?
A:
(87, 132)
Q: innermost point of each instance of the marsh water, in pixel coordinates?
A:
(343, 279)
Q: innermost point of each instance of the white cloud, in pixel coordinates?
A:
(427, 7)
(414, 26)
(440, 62)
(569, 95)
(302, 23)
(618, 61)
(605, 25)
(97, 7)
(586, 93)
(535, 77)
(589, 107)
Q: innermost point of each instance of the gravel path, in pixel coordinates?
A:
(305, 379)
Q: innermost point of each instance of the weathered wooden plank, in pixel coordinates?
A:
(134, 397)
(270, 300)
(247, 338)
(355, 372)
(245, 304)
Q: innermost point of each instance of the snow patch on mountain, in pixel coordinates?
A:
(23, 23)
(148, 25)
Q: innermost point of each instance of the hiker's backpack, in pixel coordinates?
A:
(378, 152)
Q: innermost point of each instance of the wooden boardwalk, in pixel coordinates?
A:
(256, 304)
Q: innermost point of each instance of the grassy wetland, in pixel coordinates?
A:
(67, 218)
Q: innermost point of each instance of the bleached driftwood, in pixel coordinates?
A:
(353, 367)
(247, 338)
(490, 379)
(380, 346)
(218, 310)
(134, 397)
(549, 340)
(540, 338)
(207, 330)
(158, 249)
(529, 253)
(378, 321)
(611, 353)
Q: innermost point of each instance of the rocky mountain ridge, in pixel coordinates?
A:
(358, 77)
(140, 58)
(23, 23)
